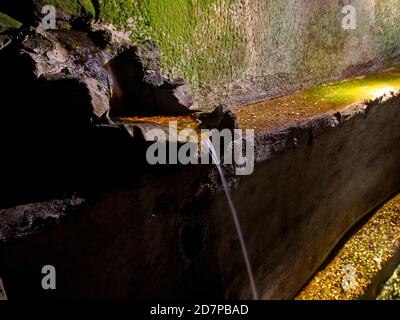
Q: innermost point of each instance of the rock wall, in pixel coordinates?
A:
(242, 50)
(236, 51)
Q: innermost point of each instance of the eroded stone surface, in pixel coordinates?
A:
(300, 201)
(141, 90)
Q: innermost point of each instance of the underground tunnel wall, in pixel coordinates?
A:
(235, 51)
(313, 182)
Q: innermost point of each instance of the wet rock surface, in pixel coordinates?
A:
(141, 90)
(54, 92)
(363, 261)
(58, 135)
(220, 118)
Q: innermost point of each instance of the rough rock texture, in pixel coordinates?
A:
(371, 249)
(55, 115)
(137, 237)
(239, 51)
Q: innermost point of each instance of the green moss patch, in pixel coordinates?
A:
(7, 22)
(198, 40)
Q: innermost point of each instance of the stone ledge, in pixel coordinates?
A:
(300, 201)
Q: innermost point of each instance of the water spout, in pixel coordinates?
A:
(210, 148)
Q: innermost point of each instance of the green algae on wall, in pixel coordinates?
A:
(332, 97)
(8, 22)
(343, 93)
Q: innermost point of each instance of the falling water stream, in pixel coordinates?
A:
(210, 148)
